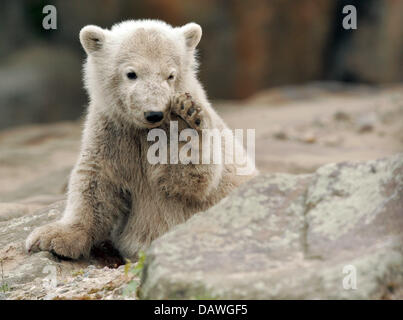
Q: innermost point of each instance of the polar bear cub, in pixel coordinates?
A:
(140, 75)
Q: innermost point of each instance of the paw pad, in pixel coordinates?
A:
(185, 107)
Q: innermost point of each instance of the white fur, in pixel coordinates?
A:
(112, 166)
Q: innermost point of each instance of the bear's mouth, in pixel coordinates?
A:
(149, 125)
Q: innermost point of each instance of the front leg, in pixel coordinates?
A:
(90, 214)
(192, 182)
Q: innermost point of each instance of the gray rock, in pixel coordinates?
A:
(366, 123)
(18, 266)
(17, 228)
(284, 236)
(51, 184)
(43, 276)
(34, 271)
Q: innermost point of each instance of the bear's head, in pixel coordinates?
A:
(134, 69)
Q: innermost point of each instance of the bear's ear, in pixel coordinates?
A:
(92, 38)
(192, 33)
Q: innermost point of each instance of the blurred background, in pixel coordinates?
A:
(247, 46)
(314, 92)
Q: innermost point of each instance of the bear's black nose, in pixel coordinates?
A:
(153, 117)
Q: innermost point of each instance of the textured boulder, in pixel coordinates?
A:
(333, 234)
(42, 275)
(17, 266)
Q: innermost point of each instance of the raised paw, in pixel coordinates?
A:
(64, 241)
(185, 107)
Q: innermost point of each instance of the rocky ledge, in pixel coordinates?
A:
(335, 233)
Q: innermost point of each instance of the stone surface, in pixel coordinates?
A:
(284, 236)
(312, 111)
(42, 275)
(89, 283)
(35, 162)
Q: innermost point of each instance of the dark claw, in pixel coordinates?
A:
(190, 111)
(36, 244)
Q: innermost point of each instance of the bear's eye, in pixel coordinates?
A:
(131, 75)
(171, 77)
